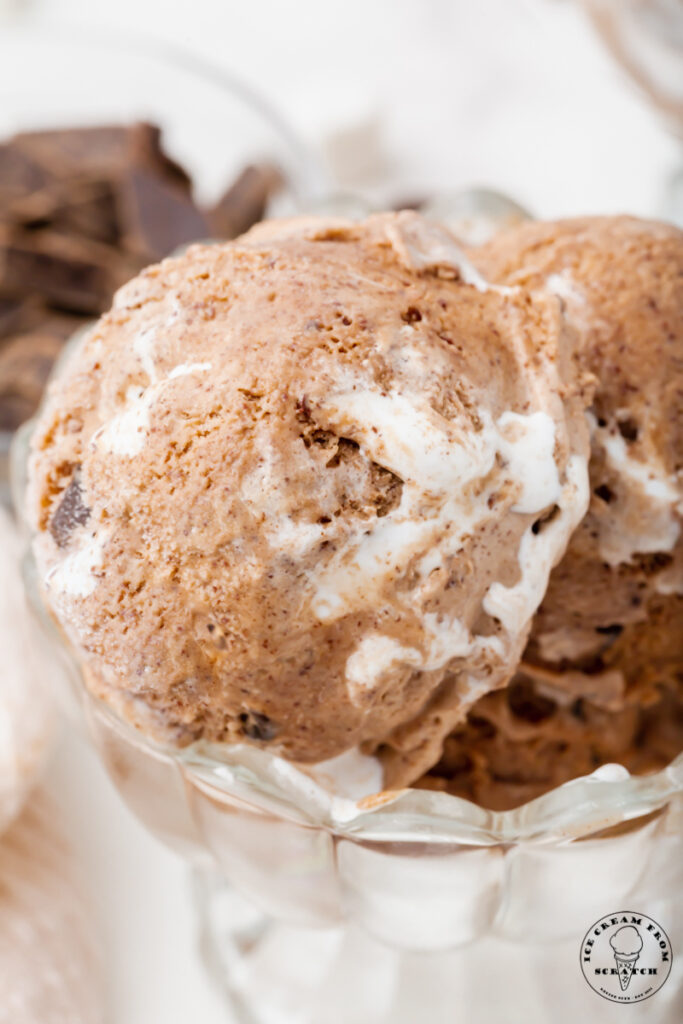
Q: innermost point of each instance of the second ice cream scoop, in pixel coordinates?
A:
(621, 281)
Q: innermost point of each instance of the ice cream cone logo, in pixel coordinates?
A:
(626, 957)
(627, 945)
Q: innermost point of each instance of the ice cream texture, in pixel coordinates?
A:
(600, 679)
(306, 489)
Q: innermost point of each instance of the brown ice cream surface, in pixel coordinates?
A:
(306, 489)
(517, 745)
(605, 656)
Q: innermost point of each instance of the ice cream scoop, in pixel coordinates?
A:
(621, 280)
(306, 489)
(600, 678)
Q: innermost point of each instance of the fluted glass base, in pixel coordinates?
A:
(275, 973)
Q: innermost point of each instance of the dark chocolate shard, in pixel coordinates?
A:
(63, 152)
(68, 272)
(19, 174)
(75, 206)
(99, 151)
(15, 314)
(26, 360)
(158, 217)
(244, 203)
(71, 513)
(15, 409)
(146, 150)
(257, 726)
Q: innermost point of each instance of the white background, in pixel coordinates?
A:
(403, 95)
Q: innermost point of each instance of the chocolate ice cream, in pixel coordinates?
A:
(306, 489)
(605, 656)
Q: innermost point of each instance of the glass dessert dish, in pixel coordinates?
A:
(402, 906)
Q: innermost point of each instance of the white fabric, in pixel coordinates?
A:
(25, 712)
(49, 965)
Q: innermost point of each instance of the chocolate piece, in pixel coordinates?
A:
(146, 151)
(257, 726)
(70, 513)
(25, 364)
(245, 201)
(158, 216)
(19, 174)
(103, 151)
(69, 152)
(81, 210)
(78, 206)
(70, 273)
(16, 315)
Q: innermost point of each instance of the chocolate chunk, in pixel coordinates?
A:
(81, 211)
(15, 409)
(99, 151)
(145, 150)
(15, 313)
(257, 726)
(68, 272)
(158, 216)
(245, 201)
(19, 174)
(25, 364)
(67, 151)
(70, 513)
(628, 429)
(76, 206)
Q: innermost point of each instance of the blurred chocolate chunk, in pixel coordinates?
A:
(103, 151)
(26, 360)
(147, 151)
(77, 151)
(15, 315)
(25, 364)
(245, 201)
(158, 217)
(68, 272)
(19, 175)
(76, 206)
(70, 513)
(82, 210)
